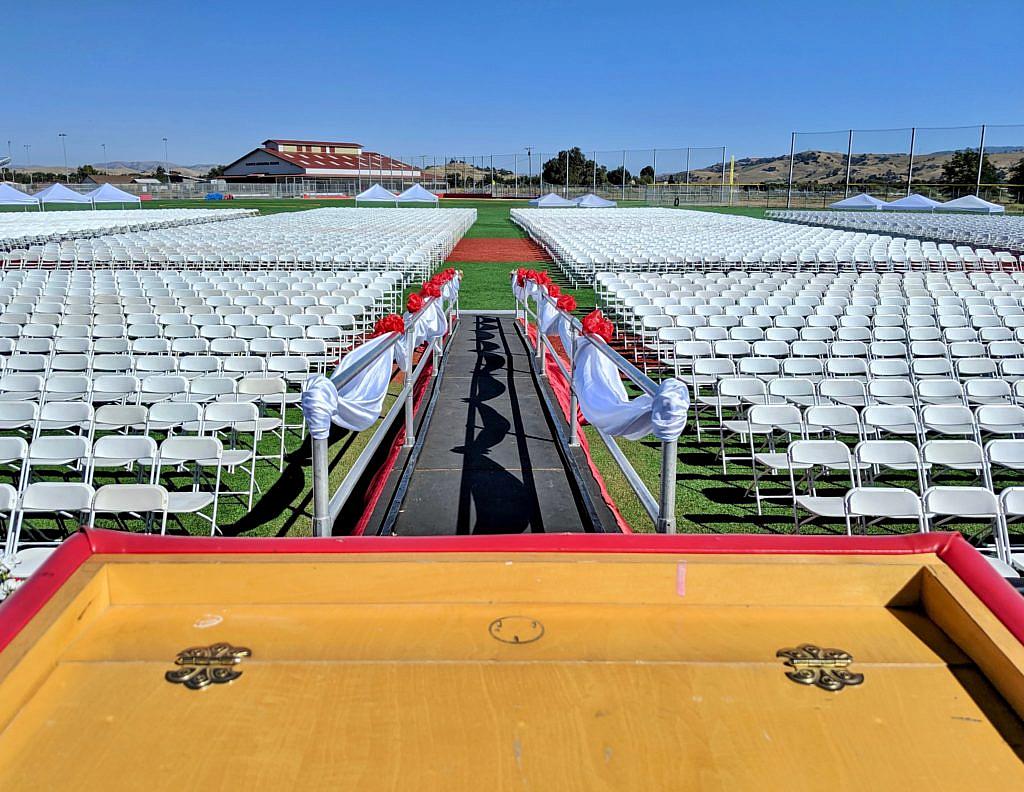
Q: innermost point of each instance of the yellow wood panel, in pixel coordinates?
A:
(34, 652)
(428, 577)
(454, 726)
(956, 610)
(571, 631)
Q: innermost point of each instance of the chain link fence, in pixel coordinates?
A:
(818, 169)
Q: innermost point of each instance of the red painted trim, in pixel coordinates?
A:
(375, 488)
(119, 542)
(963, 559)
(27, 600)
(989, 586)
(563, 395)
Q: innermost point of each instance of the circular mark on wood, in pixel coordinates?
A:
(516, 630)
(209, 620)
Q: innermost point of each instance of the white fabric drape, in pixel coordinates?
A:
(599, 390)
(355, 405)
(358, 404)
(605, 404)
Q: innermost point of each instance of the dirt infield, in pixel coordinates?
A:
(498, 250)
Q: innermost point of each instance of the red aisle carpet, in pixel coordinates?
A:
(498, 250)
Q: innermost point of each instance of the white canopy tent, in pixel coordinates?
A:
(972, 203)
(591, 201)
(377, 193)
(550, 200)
(58, 193)
(915, 202)
(418, 194)
(108, 193)
(859, 201)
(12, 196)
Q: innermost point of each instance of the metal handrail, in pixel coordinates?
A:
(327, 507)
(662, 510)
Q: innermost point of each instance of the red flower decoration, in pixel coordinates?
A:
(567, 303)
(543, 278)
(595, 324)
(521, 275)
(414, 303)
(430, 289)
(392, 323)
(554, 290)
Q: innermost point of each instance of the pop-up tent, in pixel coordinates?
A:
(108, 193)
(417, 194)
(591, 201)
(377, 193)
(972, 203)
(58, 193)
(550, 200)
(915, 202)
(859, 201)
(12, 196)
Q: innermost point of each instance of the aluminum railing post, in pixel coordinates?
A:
(410, 437)
(541, 357)
(667, 501)
(321, 497)
(574, 421)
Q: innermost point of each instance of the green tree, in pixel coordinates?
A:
(962, 169)
(1016, 178)
(215, 173)
(615, 177)
(160, 173)
(83, 171)
(647, 175)
(581, 169)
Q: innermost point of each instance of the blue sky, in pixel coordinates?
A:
(218, 77)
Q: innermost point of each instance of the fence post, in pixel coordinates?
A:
(574, 421)
(849, 164)
(321, 499)
(722, 201)
(622, 175)
(910, 166)
(981, 159)
(410, 337)
(792, 153)
(667, 502)
(687, 174)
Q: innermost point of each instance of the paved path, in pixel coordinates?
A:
(489, 462)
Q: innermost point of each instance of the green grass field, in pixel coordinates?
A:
(707, 499)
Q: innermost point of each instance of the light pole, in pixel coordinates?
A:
(64, 145)
(9, 161)
(529, 169)
(104, 147)
(28, 163)
(167, 166)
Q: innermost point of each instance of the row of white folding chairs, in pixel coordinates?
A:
(322, 344)
(64, 500)
(974, 229)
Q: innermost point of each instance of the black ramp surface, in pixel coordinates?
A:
(489, 462)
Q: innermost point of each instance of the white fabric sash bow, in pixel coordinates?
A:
(605, 404)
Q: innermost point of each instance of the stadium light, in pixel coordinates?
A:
(167, 166)
(28, 163)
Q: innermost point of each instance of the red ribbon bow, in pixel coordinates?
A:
(392, 323)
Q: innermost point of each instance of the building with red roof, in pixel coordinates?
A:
(329, 165)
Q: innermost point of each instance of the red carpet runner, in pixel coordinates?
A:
(498, 250)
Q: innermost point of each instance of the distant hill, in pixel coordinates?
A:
(122, 167)
(829, 167)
